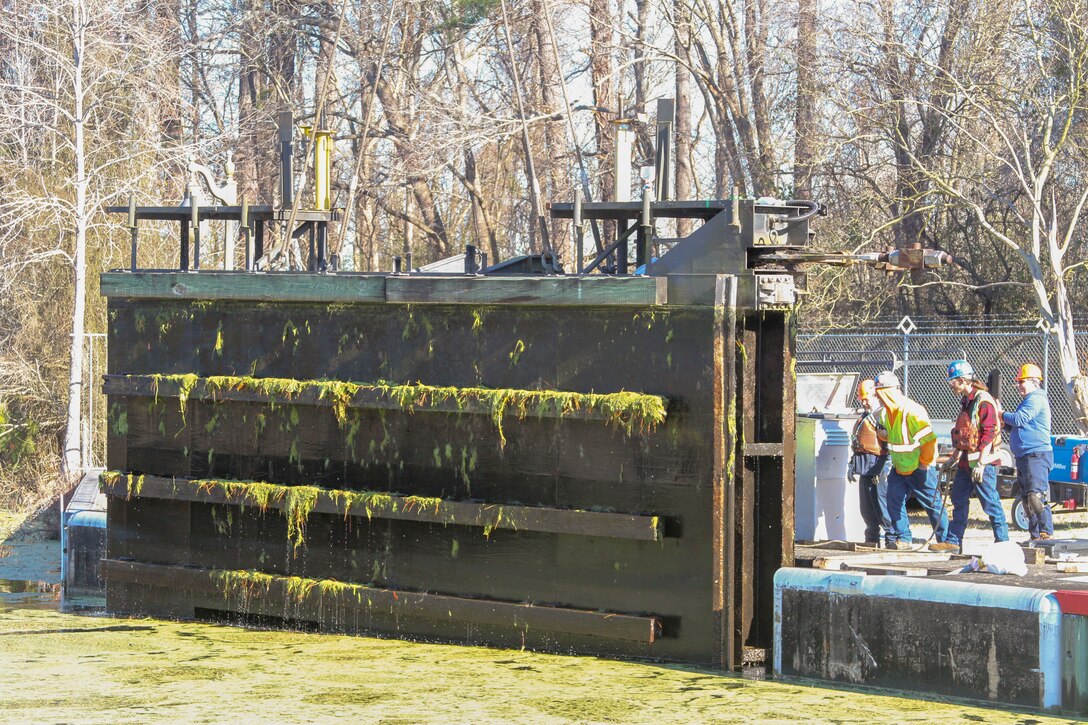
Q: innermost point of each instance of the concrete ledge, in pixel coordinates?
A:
(1000, 644)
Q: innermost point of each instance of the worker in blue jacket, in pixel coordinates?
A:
(1030, 443)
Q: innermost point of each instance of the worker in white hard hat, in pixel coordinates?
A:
(976, 436)
(912, 447)
(1030, 444)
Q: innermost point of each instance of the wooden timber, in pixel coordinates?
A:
(150, 386)
(363, 288)
(361, 597)
(244, 286)
(376, 505)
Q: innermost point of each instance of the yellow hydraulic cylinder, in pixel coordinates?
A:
(322, 143)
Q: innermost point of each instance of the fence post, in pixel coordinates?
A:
(906, 326)
(1044, 327)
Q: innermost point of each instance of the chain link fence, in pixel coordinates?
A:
(919, 351)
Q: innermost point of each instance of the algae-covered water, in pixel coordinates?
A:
(61, 666)
(64, 667)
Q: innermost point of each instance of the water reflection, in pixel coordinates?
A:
(40, 594)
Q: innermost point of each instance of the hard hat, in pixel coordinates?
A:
(866, 389)
(1029, 371)
(886, 379)
(960, 369)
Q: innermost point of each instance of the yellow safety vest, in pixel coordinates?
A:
(908, 429)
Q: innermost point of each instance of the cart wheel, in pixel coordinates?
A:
(1019, 515)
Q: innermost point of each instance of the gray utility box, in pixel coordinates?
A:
(826, 504)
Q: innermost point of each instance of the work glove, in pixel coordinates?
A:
(976, 473)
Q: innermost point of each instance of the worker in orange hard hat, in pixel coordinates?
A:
(1030, 443)
(870, 456)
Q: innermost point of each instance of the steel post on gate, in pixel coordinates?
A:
(906, 326)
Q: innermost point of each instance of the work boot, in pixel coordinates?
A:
(944, 546)
(1043, 536)
(904, 545)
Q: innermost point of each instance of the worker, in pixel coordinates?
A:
(1029, 440)
(976, 436)
(912, 447)
(869, 459)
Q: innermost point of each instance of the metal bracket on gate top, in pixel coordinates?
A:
(906, 325)
(1044, 325)
(774, 450)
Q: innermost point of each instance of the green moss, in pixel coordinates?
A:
(627, 410)
(300, 502)
(134, 485)
(241, 584)
(218, 349)
(298, 588)
(118, 419)
(515, 354)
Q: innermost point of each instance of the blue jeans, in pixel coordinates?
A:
(924, 488)
(962, 487)
(1033, 475)
(873, 497)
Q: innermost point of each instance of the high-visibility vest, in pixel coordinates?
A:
(908, 428)
(966, 431)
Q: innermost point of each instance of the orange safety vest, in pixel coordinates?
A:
(864, 438)
(966, 431)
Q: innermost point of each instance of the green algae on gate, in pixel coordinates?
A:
(298, 502)
(629, 411)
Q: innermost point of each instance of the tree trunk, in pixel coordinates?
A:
(601, 72)
(804, 152)
(644, 135)
(759, 151)
(556, 179)
(71, 463)
(398, 126)
(685, 176)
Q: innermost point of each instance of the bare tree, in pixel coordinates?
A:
(89, 140)
(1025, 124)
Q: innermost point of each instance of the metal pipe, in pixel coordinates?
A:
(666, 113)
(287, 182)
(470, 259)
(622, 172)
(133, 229)
(734, 219)
(322, 247)
(195, 219)
(184, 261)
(248, 232)
(645, 233)
(813, 209)
(63, 546)
(258, 242)
(579, 232)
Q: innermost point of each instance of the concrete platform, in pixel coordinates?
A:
(903, 620)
